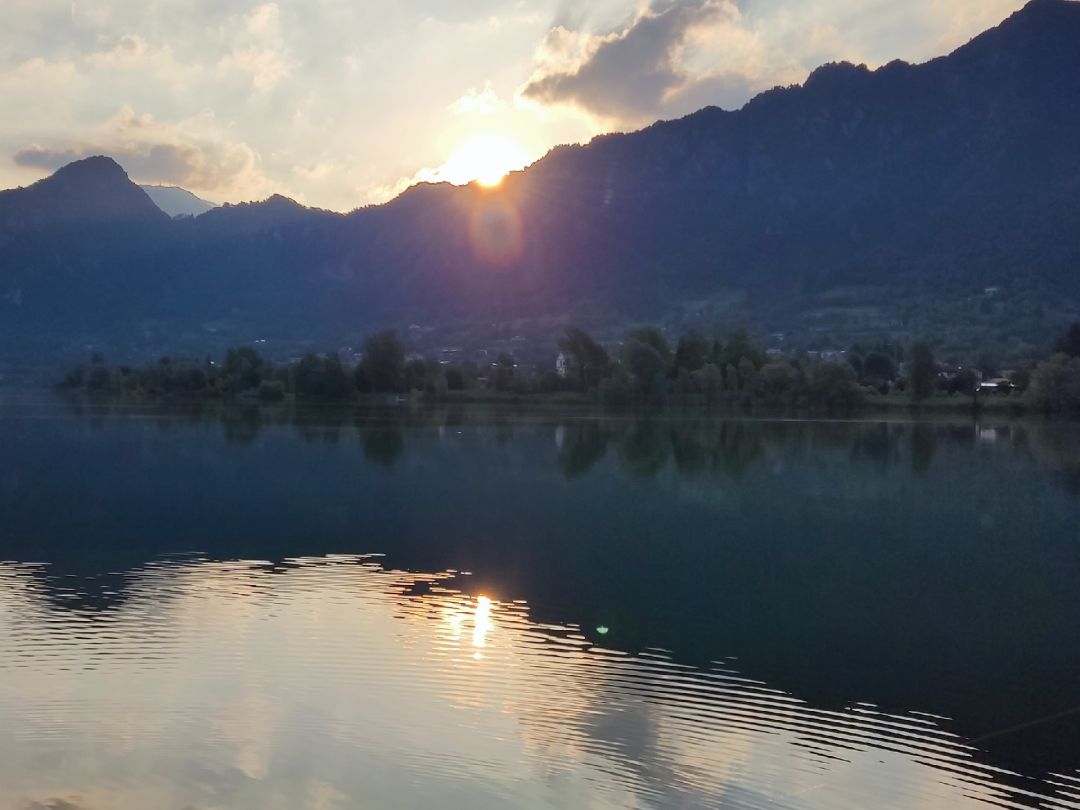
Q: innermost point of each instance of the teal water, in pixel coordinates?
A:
(475, 607)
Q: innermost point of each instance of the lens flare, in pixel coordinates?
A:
(496, 233)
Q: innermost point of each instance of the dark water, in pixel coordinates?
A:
(228, 608)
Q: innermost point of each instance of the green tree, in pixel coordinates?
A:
(455, 379)
(335, 379)
(878, 366)
(646, 365)
(1069, 343)
(748, 374)
(587, 362)
(710, 381)
(692, 352)
(416, 375)
(384, 362)
(650, 336)
(1055, 385)
(323, 377)
(244, 368)
(833, 386)
(965, 381)
(779, 382)
(736, 348)
(502, 373)
(923, 374)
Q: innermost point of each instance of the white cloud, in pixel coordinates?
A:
(265, 66)
(128, 51)
(485, 102)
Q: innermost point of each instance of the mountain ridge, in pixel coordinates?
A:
(861, 202)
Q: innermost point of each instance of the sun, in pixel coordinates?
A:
(485, 159)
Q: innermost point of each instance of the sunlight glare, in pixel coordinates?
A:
(486, 160)
(482, 621)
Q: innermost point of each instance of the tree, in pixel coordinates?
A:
(779, 382)
(923, 373)
(878, 366)
(646, 365)
(693, 352)
(323, 377)
(833, 386)
(416, 375)
(965, 381)
(710, 379)
(455, 380)
(335, 380)
(384, 361)
(587, 362)
(1055, 385)
(502, 373)
(650, 336)
(244, 368)
(1069, 343)
(738, 348)
(748, 374)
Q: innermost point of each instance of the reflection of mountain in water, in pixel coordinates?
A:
(896, 564)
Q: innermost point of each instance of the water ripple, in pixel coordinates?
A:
(247, 684)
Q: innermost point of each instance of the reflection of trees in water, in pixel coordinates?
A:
(321, 424)
(241, 424)
(382, 444)
(923, 446)
(1056, 446)
(879, 443)
(645, 449)
(699, 447)
(584, 444)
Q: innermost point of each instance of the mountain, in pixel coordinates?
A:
(939, 200)
(176, 201)
(94, 191)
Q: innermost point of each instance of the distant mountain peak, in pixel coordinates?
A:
(178, 202)
(97, 167)
(94, 190)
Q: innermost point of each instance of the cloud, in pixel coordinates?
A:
(675, 56)
(484, 102)
(155, 152)
(127, 52)
(633, 74)
(54, 804)
(260, 51)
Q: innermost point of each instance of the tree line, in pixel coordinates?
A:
(644, 368)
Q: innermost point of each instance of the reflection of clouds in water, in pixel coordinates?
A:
(327, 682)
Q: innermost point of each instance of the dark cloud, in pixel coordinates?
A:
(201, 166)
(635, 75)
(40, 157)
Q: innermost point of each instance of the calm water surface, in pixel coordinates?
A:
(233, 608)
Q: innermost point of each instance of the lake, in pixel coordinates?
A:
(478, 607)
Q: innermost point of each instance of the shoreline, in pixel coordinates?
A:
(1007, 407)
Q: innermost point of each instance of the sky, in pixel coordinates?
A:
(345, 103)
